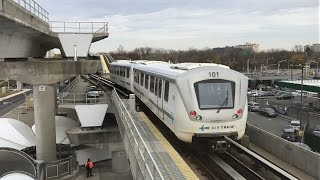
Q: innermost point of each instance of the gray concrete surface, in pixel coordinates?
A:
(46, 71)
(305, 160)
(44, 117)
(22, 34)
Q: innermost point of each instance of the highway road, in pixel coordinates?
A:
(12, 103)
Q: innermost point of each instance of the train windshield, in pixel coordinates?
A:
(215, 94)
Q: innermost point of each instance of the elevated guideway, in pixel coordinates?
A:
(26, 31)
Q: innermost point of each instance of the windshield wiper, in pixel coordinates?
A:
(225, 101)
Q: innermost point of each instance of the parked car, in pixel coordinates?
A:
(302, 145)
(93, 94)
(253, 106)
(287, 95)
(295, 124)
(316, 131)
(267, 93)
(279, 93)
(279, 109)
(269, 112)
(289, 134)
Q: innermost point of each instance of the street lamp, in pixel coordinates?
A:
(248, 68)
(291, 65)
(279, 65)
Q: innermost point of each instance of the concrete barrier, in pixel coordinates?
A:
(303, 159)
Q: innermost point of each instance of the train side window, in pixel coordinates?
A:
(128, 71)
(152, 84)
(156, 86)
(136, 77)
(118, 71)
(146, 83)
(166, 91)
(160, 88)
(141, 79)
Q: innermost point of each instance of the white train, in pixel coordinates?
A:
(196, 101)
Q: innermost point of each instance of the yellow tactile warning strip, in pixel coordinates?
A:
(181, 164)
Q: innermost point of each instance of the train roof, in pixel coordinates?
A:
(164, 68)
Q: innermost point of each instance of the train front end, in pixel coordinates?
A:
(215, 101)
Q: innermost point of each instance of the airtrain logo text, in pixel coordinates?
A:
(216, 127)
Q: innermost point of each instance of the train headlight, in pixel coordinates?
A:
(198, 118)
(235, 116)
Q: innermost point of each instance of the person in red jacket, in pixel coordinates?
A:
(89, 166)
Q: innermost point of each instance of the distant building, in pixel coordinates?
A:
(313, 47)
(249, 47)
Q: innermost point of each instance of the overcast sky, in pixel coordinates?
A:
(184, 24)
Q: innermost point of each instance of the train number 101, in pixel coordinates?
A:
(213, 74)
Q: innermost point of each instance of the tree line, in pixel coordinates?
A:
(235, 58)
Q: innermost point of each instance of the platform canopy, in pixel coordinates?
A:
(308, 85)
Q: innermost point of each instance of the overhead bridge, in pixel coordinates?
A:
(26, 31)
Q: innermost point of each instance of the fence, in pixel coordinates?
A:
(34, 8)
(82, 98)
(79, 27)
(141, 151)
(60, 168)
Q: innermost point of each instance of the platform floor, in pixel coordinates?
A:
(169, 159)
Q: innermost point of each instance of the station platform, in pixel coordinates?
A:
(163, 152)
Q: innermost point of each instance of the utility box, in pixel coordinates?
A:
(3, 90)
(29, 103)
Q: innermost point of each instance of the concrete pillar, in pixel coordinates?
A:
(19, 85)
(120, 163)
(55, 94)
(44, 116)
(132, 102)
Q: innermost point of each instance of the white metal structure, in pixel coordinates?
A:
(16, 134)
(195, 100)
(91, 115)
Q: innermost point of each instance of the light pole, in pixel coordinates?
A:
(248, 68)
(291, 65)
(279, 65)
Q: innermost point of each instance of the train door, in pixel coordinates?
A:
(160, 99)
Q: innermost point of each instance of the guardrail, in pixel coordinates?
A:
(34, 8)
(81, 98)
(141, 151)
(71, 85)
(79, 27)
(60, 168)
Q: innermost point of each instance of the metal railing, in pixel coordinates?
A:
(79, 27)
(61, 168)
(141, 151)
(71, 85)
(81, 98)
(34, 8)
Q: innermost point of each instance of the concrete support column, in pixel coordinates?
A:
(120, 163)
(19, 85)
(55, 94)
(44, 115)
(132, 102)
